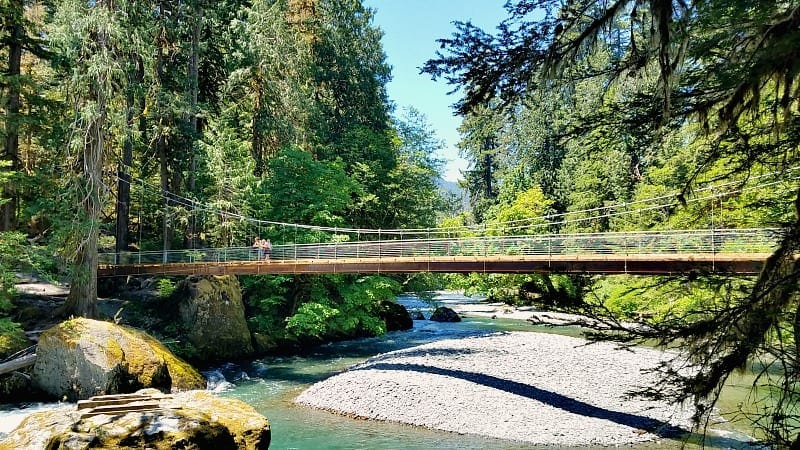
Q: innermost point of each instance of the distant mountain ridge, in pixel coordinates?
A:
(452, 189)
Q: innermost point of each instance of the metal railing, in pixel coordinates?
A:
(718, 241)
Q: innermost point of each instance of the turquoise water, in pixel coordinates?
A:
(270, 384)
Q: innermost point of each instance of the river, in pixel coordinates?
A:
(270, 384)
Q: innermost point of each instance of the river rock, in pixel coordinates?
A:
(395, 316)
(212, 312)
(445, 314)
(80, 358)
(416, 315)
(17, 387)
(189, 420)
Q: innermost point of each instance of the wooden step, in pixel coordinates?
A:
(113, 410)
(120, 404)
(100, 401)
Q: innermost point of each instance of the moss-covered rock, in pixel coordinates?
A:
(264, 343)
(188, 420)
(17, 387)
(212, 313)
(80, 358)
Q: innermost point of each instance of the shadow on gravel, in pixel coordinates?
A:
(560, 401)
(416, 352)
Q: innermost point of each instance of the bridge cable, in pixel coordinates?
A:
(180, 200)
(187, 202)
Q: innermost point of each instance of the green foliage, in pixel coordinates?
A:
(546, 290)
(650, 97)
(313, 319)
(305, 190)
(12, 337)
(661, 300)
(15, 254)
(350, 71)
(310, 310)
(524, 215)
(166, 287)
(350, 312)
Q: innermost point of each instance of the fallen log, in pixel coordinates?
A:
(16, 364)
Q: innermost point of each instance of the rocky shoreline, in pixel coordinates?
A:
(537, 388)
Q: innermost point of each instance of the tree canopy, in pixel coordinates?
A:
(643, 97)
(126, 122)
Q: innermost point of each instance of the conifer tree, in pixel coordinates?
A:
(729, 68)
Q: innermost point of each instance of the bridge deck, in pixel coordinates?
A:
(641, 264)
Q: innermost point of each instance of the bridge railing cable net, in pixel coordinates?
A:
(677, 242)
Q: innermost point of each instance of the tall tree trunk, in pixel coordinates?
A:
(165, 192)
(257, 142)
(82, 299)
(11, 147)
(124, 180)
(487, 175)
(194, 89)
(124, 177)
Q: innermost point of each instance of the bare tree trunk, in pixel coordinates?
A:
(165, 191)
(257, 139)
(82, 299)
(124, 181)
(11, 147)
(194, 89)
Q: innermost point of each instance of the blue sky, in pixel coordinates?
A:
(411, 28)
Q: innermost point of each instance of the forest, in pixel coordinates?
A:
(119, 116)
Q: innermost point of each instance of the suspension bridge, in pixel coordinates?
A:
(740, 251)
(517, 246)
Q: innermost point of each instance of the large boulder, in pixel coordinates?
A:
(16, 387)
(212, 314)
(395, 316)
(80, 358)
(189, 420)
(445, 314)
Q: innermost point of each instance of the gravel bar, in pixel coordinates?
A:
(538, 388)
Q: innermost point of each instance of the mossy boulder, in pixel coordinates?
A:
(211, 312)
(395, 316)
(80, 358)
(445, 314)
(189, 420)
(264, 343)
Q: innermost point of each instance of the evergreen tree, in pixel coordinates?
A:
(730, 67)
(89, 39)
(17, 88)
(479, 144)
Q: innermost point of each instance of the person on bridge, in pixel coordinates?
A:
(267, 248)
(259, 245)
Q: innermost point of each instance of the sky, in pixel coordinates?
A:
(411, 28)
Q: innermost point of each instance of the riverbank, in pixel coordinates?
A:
(537, 388)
